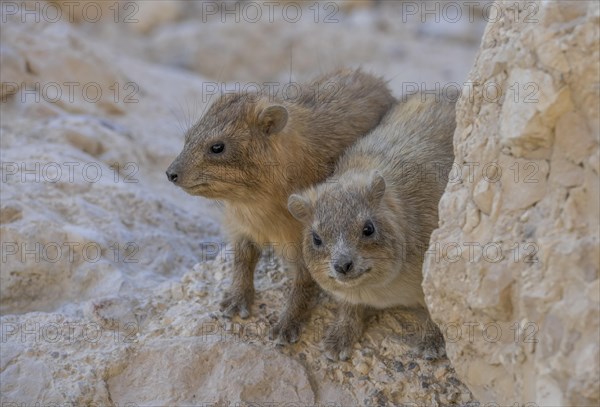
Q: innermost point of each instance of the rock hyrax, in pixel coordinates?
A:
(369, 224)
(253, 150)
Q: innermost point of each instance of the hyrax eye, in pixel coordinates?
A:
(217, 148)
(316, 239)
(368, 229)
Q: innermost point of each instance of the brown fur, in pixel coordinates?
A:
(273, 148)
(393, 178)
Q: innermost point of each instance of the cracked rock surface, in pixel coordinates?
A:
(520, 300)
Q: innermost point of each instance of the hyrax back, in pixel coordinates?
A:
(368, 226)
(253, 150)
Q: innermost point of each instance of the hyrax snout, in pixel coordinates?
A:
(226, 153)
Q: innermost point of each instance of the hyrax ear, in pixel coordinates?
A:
(300, 208)
(376, 187)
(272, 119)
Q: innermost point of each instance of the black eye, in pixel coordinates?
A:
(368, 229)
(217, 148)
(316, 239)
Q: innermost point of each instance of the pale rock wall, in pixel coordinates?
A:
(521, 310)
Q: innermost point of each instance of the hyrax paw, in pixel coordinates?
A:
(432, 351)
(285, 332)
(339, 341)
(237, 303)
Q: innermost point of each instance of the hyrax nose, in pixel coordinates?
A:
(343, 266)
(172, 176)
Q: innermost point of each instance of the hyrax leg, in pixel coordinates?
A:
(240, 296)
(433, 345)
(347, 329)
(297, 311)
(421, 333)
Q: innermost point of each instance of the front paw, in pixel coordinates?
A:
(339, 341)
(237, 302)
(285, 331)
(432, 347)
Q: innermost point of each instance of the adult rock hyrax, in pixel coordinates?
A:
(368, 226)
(252, 150)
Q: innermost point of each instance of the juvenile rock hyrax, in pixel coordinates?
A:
(368, 226)
(253, 150)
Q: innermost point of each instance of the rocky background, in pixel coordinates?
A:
(110, 277)
(524, 213)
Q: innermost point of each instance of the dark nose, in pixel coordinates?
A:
(172, 176)
(343, 266)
